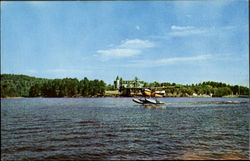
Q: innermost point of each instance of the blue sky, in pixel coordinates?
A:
(183, 42)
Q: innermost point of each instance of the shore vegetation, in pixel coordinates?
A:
(13, 85)
(26, 86)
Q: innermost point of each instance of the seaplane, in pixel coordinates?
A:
(148, 93)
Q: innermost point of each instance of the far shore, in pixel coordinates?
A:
(12, 97)
(119, 96)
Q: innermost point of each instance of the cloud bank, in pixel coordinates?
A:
(127, 48)
(185, 30)
(168, 61)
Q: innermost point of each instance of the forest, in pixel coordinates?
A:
(25, 86)
(215, 89)
(13, 85)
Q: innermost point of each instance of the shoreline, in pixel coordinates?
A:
(109, 96)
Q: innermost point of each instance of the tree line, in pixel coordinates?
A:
(13, 85)
(215, 89)
(211, 88)
(25, 86)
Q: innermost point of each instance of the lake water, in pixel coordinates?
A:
(118, 128)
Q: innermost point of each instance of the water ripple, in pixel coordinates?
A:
(113, 128)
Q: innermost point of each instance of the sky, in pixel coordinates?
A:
(183, 41)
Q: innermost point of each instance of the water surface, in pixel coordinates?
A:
(118, 128)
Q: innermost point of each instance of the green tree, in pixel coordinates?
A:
(85, 87)
(102, 86)
(156, 84)
(136, 84)
(121, 82)
(222, 91)
(110, 87)
(145, 84)
(35, 90)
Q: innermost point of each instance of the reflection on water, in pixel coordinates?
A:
(118, 128)
(155, 106)
(201, 155)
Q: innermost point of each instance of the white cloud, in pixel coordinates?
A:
(168, 61)
(118, 53)
(127, 48)
(183, 59)
(137, 27)
(137, 43)
(173, 27)
(182, 31)
(186, 30)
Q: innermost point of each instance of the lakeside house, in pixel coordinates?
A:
(132, 87)
(120, 83)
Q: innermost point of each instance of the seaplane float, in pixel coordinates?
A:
(150, 100)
